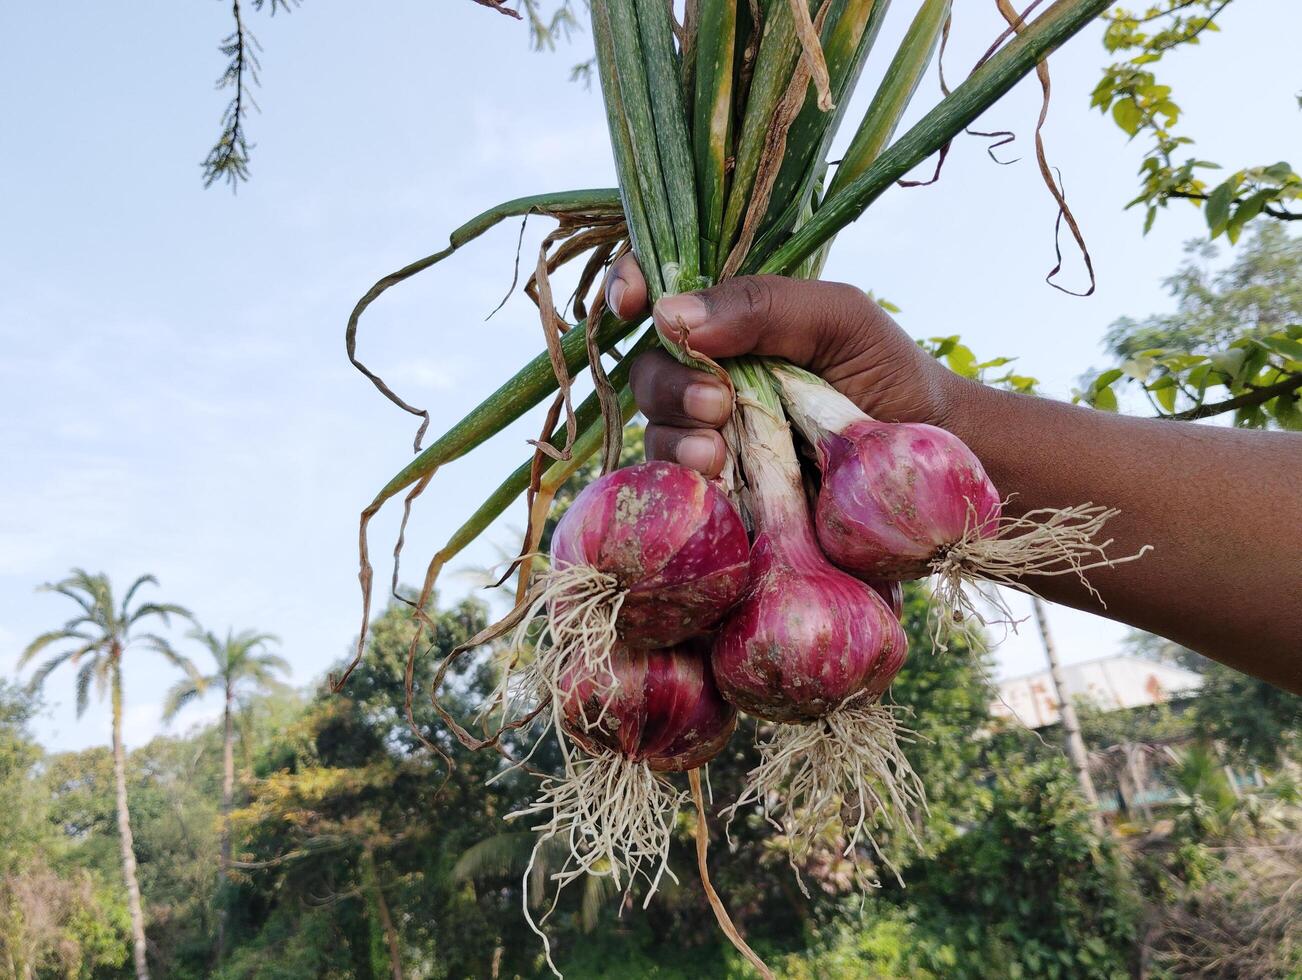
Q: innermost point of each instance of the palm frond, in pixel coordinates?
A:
(126, 602)
(97, 587)
(597, 889)
(45, 640)
(44, 671)
(84, 676)
(163, 610)
(182, 693)
(262, 671)
(68, 587)
(499, 856)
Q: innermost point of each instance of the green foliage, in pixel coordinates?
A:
(1030, 890)
(57, 916)
(1140, 105)
(958, 357)
(1234, 343)
(1255, 722)
(880, 943)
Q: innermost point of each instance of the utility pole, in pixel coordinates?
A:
(1067, 712)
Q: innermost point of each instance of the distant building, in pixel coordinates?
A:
(1110, 683)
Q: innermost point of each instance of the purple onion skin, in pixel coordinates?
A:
(806, 637)
(665, 711)
(892, 594)
(895, 495)
(670, 537)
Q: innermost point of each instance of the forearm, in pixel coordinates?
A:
(1221, 508)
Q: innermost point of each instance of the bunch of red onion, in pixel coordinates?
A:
(660, 619)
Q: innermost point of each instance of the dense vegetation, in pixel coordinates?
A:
(358, 854)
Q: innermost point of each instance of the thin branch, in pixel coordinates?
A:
(1274, 211)
(1250, 399)
(228, 159)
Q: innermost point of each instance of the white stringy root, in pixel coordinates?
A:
(839, 772)
(614, 818)
(617, 817)
(577, 608)
(1048, 541)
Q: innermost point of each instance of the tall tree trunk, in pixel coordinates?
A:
(372, 878)
(124, 830)
(228, 796)
(1070, 723)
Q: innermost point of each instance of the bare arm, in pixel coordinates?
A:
(1222, 508)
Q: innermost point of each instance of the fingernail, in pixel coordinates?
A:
(697, 452)
(677, 314)
(707, 403)
(615, 294)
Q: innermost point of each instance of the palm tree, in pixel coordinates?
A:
(242, 661)
(97, 638)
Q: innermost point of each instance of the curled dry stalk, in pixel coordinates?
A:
(811, 52)
(1017, 23)
(500, 6)
(591, 204)
(703, 868)
(501, 408)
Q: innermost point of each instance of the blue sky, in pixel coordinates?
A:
(174, 395)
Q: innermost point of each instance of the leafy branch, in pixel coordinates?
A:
(1234, 344)
(1129, 90)
(228, 159)
(1261, 375)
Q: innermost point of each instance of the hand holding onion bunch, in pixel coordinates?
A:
(671, 601)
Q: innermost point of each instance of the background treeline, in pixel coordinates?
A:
(357, 853)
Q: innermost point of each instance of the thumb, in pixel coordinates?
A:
(817, 325)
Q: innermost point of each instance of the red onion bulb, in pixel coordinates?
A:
(647, 713)
(646, 557)
(664, 708)
(670, 542)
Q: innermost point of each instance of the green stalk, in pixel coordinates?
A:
(751, 378)
(981, 90)
(670, 116)
(602, 200)
(534, 382)
(895, 92)
(588, 416)
(779, 50)
(712, 127)
(635, 99)
(847, 40)
(639, 228)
